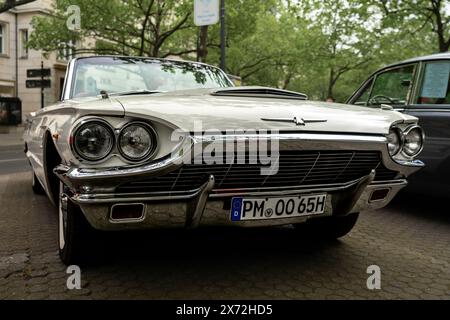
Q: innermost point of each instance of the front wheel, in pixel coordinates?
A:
(79, 243)
(328, 227)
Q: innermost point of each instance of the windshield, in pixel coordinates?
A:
(123, 74)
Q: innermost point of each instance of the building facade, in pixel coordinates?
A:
(16, 58)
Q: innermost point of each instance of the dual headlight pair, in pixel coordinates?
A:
(408, 142)
(95, 140)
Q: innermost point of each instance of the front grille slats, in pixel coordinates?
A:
(296, 167)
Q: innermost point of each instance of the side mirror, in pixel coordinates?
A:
(406, 83)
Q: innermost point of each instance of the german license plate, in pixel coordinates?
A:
(273, 208)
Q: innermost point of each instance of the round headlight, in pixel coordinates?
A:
(413, 141)
(93, 140)
(137, 141)
(394, 141)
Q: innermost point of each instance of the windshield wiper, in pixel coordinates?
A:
(133, 92)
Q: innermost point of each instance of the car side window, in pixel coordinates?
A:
(435, 87)
(364, 94)
(392, 87)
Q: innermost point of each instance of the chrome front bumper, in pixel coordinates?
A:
(94, 189)
(203, 210)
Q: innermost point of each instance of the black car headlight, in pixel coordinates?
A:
(137, 141)
(93, 140)
(413, 141)
(394, 141)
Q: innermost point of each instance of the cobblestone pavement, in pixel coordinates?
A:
(410, 242)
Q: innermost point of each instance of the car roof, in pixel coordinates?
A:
(437, 56)
(431, 57)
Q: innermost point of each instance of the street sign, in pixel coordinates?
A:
(38, 83)
(206, 12)
(42, 83)
(37, 73)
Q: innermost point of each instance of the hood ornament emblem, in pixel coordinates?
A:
(298, 121)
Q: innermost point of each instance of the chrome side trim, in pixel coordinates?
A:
(388, 182)
(298, 121)
(296, 136)
(284, 191)
(444, 109)
(122, 198)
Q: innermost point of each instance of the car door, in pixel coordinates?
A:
(431, 104)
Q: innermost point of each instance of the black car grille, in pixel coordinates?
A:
(296, 168)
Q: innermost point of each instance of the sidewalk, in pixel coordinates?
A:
(11, 136)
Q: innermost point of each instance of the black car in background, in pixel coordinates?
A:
(419, 87)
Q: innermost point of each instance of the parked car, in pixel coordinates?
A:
(419, 87)
(130, 147)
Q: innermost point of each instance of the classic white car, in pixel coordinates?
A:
(139, 143)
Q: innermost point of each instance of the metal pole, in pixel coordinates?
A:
(17, 56)
(42, 84)
(222, 35)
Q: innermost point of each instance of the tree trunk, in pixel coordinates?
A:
(155, 50)
(287, 80)
(202, 50)
(331, 82)
(440, 28)
(444, 46)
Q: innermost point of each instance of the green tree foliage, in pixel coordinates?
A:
(138, 27)
(348, 38)
(414, 16)
(320, 47)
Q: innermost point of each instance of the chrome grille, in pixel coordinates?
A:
(296, 168)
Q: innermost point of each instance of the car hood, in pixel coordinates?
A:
(202, 109)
